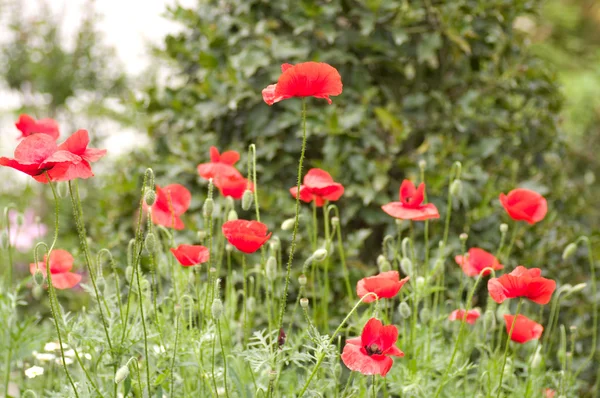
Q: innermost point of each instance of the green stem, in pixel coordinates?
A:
(224, 358)
(512, 328)
(326, 266)
(516, 230)
(9, 251)
(245, 284)
(174, 354)
(284, 295)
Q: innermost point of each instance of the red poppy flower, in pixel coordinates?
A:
(370, 353)
(549, 393)
(385, 285)
(28, 126)
(524, 330)
(39, 153)
(171, 202)
(61, 262)
(226, 177)
(76, 144)
(410, 206)
(189, 255)
(246, 236)
(476, 261)
(524, 205)
(460, 315)
(307, 79)
(522, 282)
(318, 186)
(232, 186)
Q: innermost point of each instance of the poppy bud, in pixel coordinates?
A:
(536, 361)
(456, 187)
(150, 197)
(274, 243)
(302, 280)
(37, 292)
(100, 283)
(398, 222)
(420, 282)
(406, 266)
(335, 221)
(422, 164)
(247, 199)
(319, 255)
(20, 220)
(217, 308)
(404, 310)
(121, 374)
(38, 277)
(424, 315)
(251, 304)
(4, 240)
(304, 302)
(229, 202)
(463, 237)
(177, 309)
(150, 242)
(129, 274)
(232, 215)
(271, 268)
(503, 228)
(208, 208)
(201, 235)
(385, 266)
(229, 247)
(272, 375)
(577, 288)
(569, 251)
(288, 224)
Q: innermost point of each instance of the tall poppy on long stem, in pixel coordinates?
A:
(522, 282)
(319, 187)
(410, 206)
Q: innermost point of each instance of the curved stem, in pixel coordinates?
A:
(594, 304)
(284, 295)
(174, 354)
(512, 328)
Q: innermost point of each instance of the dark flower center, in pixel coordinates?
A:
(373, 349)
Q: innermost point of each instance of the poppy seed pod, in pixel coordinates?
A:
(406, 266)
(456, 187)
(503, 228)
(404, 310)
(247, 199)
(38, 277)
(288, 224)
(569, 251)
(302, 280)
(232, 215)
(271, 268)
(150, 242)
(217, 308)
(121, 374)
(150, 197)
(319, 255)
(208, 208)
(304, 302)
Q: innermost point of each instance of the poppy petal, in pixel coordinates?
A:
(65, 280)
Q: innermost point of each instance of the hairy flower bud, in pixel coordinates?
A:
(274, 244)
(570, 249)
(406, 266)
(150, 197)
(404, 310)
(385, 266)
(217, 308)
(425, 315)
(232, 215)
(503, 228)
(247, 199)
(38, 277)
(229, 247)
(229, 202)
(456, 187)
(302, 280)
(271, 268)
(577, 288)
(304, 302)
(121, 374)
(319, 255)
(150, 242)
(129, 274)
(288, 224)
(335, 221)
(201, 235)
(208, 208)
(37, 292)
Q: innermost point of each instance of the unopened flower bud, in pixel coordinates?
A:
(304, 302)
(201, 235)
(208, 208)
(271, 268)
(150, 197)
(503, 228)
(121, 374)
(319, 255)
(577, 288)
(272, 375)
(274, 244)
(406, 266)
(251, 304)
(536, 361)
(229, 202)
(420, 282)
(573, 329)
(37, 292)
(425, 315)
(288, 224)
(177, 309)
(217, 308)
(385, 266)
(232, 215)
(463, 237)
(38, 277)
(129, 274)
(150, 242)
(229, 247)
(456, 187)
(335, 221)
(247, 199)
(100, 283)
(20, 221)
(422, 164)
(404, 310)
(302, 280)
(569, 251)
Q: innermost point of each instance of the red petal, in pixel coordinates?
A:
(246, 236)
(398, 210)
(77, 143)
(305, 194)
(215, 157)
(524, 205)
(524, 330)
(173, 198)
(371, 331)
(285, 67)
(356, 360)
(230, 157)
(269, 95)
(35, 149)
(65, 280)
(188, 255)
(28, 126)
(306, 79)
(60, 261)
(540, 290)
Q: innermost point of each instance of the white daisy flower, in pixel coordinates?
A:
(34, 371)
